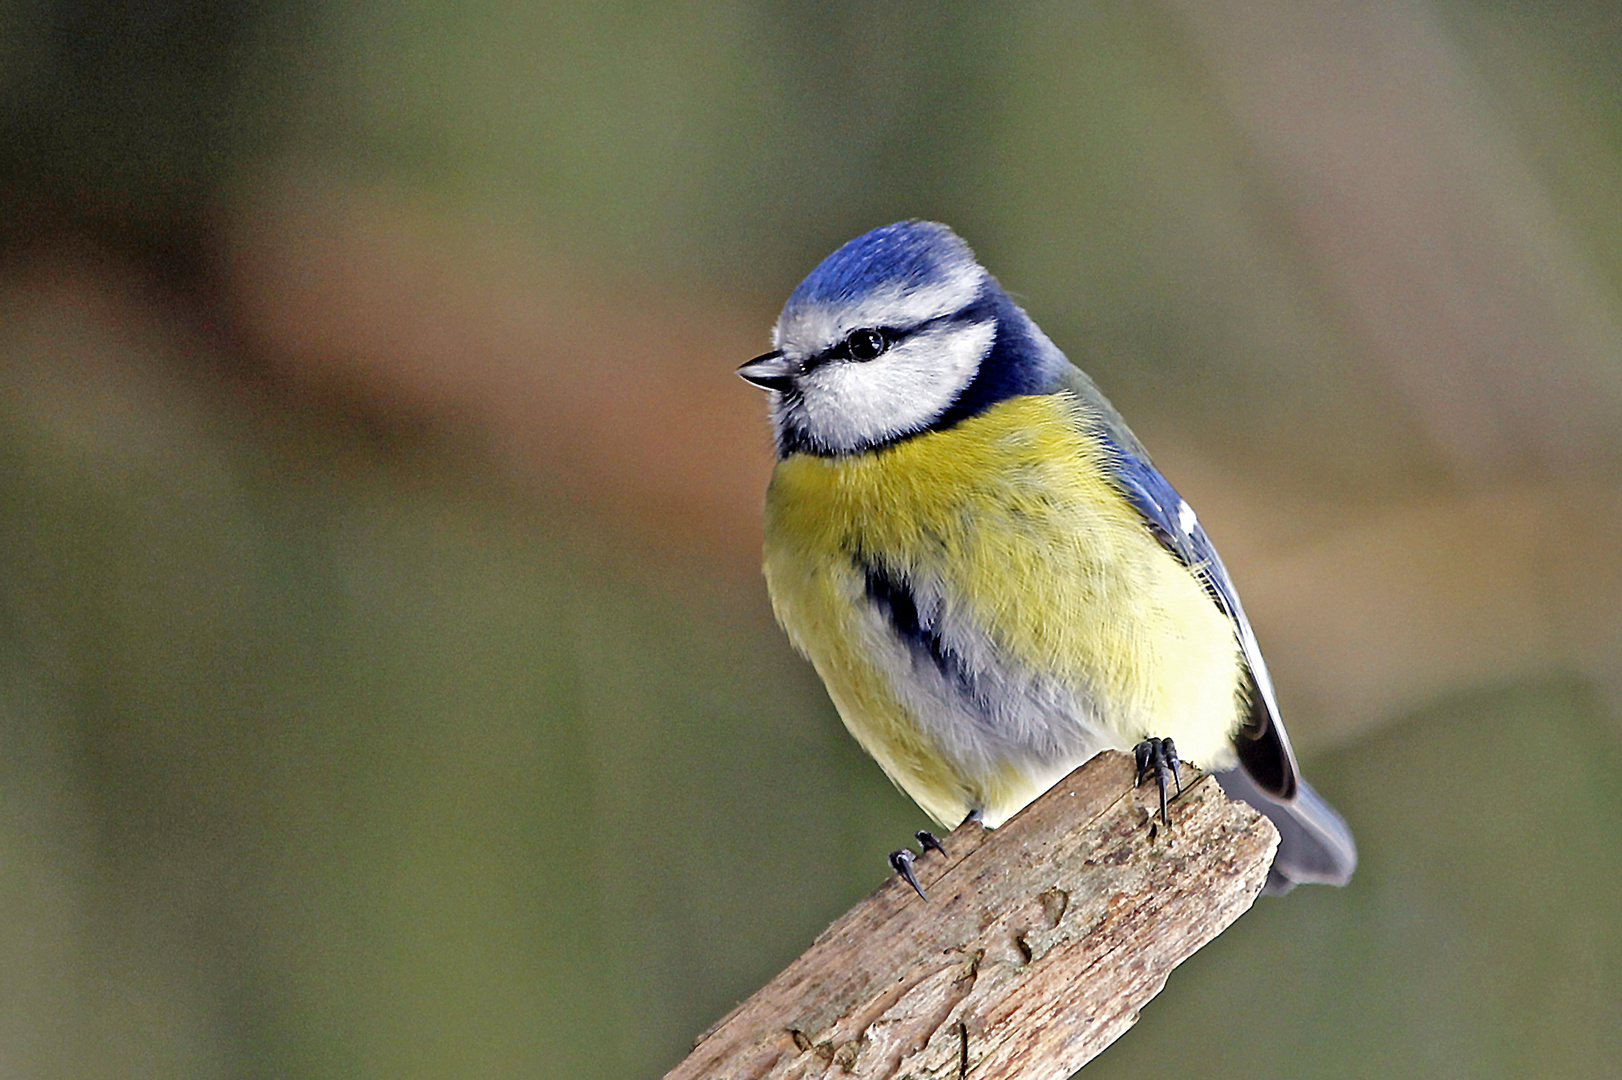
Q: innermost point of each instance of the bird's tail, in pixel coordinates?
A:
(1315, 846)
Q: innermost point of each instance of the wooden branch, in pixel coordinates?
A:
(1040, 942)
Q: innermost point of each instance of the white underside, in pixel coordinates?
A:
(1013, 718)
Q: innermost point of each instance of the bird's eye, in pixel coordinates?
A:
(865, 344)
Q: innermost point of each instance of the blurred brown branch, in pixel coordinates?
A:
(1038, 946)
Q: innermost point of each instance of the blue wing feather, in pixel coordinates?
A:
(1316, 845)
(1152, 495)
(1264, 747)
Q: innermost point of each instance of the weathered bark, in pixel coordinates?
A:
(1038, 945)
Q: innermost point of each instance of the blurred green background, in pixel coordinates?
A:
(387, 688)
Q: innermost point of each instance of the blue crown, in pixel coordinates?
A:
(908, 253)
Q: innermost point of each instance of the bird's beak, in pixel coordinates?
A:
(770, 371)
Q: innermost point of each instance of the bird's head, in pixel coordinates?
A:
(898, 332)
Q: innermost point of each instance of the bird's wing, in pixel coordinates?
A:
(1318, 845)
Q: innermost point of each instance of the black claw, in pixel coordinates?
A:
(1159, 757)
(902, 862)
(928, 841)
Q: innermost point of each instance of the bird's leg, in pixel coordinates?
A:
(1159, 756)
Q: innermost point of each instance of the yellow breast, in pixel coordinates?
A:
(1012, 518)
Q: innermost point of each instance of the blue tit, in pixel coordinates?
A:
(978, 557)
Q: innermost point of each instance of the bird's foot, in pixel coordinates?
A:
(903, 861)
(1159, 757)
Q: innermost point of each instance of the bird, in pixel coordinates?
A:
(982, 563)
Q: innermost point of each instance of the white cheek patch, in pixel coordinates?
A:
(810, 330)
(848, 405)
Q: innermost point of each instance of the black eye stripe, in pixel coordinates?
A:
(894, 336)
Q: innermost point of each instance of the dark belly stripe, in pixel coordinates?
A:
(894, 598)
